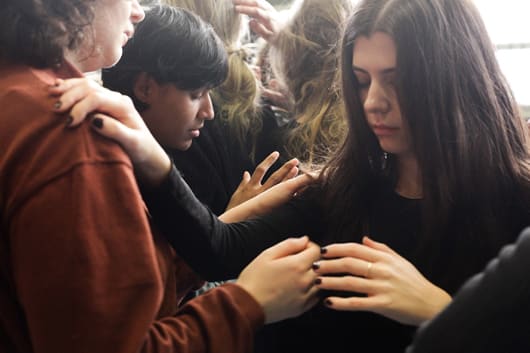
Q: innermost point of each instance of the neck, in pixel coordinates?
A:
(409, 182)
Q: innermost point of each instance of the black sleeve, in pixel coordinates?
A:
(490, 313)
(217, 250)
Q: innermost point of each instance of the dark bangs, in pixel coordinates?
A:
(189, 53)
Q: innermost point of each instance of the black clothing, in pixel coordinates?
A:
(212, 167)
(490, 313)
(214, 164)
(217, 250)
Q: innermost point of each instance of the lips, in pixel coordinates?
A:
(384, 130)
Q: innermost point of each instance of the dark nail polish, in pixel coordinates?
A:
(318, 281)
(97, 122)
(328, 302)
(69, 121)
(323, 250)
(315, 266)
(57, 105)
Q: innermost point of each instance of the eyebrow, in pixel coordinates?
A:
(390, 70)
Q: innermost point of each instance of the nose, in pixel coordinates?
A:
(206, 111)
(137, 13)
(376, 100)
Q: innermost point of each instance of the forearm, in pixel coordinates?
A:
(215, 250)
(88, 276)
(223, 320)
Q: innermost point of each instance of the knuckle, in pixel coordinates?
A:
(261, 168)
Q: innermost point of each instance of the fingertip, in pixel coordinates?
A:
(97, 122)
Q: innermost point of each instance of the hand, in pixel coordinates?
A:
(393, 286)
(113, 115)
(268, 200)
(251, 186)
(281, 278)
(277, 95)
(264, 19)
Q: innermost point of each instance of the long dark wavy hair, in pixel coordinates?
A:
(467, 133)
(37, 32)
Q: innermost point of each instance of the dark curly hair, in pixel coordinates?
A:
(36, 32)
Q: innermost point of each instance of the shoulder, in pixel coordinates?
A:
(36, 146)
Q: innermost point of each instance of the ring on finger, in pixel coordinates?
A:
(368, 269)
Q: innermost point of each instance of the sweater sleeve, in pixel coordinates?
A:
(217, 250)
(87, 276)
(489, 313)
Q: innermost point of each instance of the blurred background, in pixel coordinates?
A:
(508, 25)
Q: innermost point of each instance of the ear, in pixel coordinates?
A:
(144, 87)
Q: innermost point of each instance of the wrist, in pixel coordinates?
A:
(153, 171)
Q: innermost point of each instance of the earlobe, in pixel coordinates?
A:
(143, 87)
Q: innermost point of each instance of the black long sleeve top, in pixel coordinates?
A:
(220, 251)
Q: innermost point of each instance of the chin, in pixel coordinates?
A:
(183, 146)
(111, 60)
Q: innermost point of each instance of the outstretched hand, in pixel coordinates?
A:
(281, 278)
(393, 286)
(114, 116)
(251, 186)
(268, 200)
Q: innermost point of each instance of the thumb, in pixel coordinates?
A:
(287, 247)
(244, 180)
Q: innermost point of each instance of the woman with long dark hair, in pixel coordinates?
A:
(434, 170)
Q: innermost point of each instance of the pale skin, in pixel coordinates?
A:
(393, 286)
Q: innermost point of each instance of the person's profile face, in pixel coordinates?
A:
(175, 116)
(374, 67)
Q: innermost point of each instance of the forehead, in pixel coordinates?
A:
(376, 51)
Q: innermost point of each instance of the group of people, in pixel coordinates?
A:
(426, 179)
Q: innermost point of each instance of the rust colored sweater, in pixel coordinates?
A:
(80, 269)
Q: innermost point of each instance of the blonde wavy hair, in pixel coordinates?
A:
(305, 57)
(237, 99)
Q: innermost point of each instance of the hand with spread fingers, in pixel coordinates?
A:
(114, 116)
(393, 286)
(264, 19)
(251, 186)
(268, 200)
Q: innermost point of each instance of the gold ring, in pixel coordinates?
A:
(370, 264)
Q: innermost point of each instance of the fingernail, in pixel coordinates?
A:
(323, 250)
(57, 105)
(318, 281)
(97, 122)
(328, 302)
(69, 121)
(315, 266)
